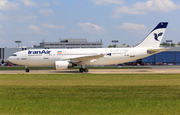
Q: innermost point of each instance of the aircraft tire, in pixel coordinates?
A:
(27, 70)
(81, 70)
(85, 70)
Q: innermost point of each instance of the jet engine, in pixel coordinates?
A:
(63, 65)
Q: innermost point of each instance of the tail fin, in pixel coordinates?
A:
(155, 36)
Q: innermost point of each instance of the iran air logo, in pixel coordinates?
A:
(157, 35)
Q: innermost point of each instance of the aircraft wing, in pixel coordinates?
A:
(85, 58)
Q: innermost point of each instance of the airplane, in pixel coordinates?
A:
(66, 58)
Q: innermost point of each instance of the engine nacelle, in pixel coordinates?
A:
(63, 65)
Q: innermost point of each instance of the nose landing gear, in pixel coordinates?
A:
(27, 70)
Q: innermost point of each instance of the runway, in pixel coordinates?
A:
(152, 70)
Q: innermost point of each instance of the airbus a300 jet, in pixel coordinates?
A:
(66, 58)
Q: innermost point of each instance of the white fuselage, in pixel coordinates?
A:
(47, 57)
(64, 58)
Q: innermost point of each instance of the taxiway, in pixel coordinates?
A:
(152, 70)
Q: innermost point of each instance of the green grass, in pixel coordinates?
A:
(85, 94)
(52, 68)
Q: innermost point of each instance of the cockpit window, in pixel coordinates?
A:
(14, 54)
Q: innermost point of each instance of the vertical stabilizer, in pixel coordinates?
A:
(155, 36)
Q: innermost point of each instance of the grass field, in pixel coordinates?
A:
(87, 94)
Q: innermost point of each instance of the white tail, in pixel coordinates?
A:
(154, 38)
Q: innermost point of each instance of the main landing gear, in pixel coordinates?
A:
(27, 70)
(83, 70)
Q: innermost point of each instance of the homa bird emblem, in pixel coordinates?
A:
(156, 36)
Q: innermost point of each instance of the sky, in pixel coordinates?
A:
(128, 21)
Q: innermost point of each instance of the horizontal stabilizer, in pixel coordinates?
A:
(154, 51)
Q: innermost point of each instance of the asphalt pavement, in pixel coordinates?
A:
(151, 70)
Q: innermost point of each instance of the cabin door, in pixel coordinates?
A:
(46, 56)
(132, 53)
(24, 56)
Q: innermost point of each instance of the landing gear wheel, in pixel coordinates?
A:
(27, 70)
(83, 70)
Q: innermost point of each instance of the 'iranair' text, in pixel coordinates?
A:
(39, 52)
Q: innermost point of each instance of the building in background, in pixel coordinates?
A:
(6, 52)
(168, 57)
(70, 44)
